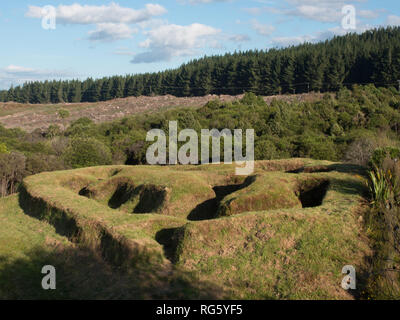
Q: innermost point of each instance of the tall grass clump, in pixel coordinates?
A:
(384, 178)
(383, 221)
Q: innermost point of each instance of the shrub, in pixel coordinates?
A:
(12, 171)
(317, 147)
(380, 154)
(63, 114)
(86, 152)
(265, 150)
(250, 99)
(3, 148)
(379, 186)
(336, 130)
(37, 163)
(136, 153)
(359, 151)
(85, 121)
(59, 144)
(53, 131)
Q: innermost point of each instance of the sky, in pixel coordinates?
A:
(79, 39)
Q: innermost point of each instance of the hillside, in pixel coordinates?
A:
(200, 231)
(40, 116)
(288, 232)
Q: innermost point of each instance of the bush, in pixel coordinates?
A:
(12, 171)
(136, 153)
(85, 121)
(380, 154)
(359, 151)
(265, 150)
(3, 148)
(63, 114)
(317, 147)
(53, 131)
(37, 163)
(250, 99)
(87, 152)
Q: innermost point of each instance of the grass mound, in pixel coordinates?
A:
(253, 237)
(27, 244)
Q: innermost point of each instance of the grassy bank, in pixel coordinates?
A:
(284, 232)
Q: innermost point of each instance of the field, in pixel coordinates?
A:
(285, 232)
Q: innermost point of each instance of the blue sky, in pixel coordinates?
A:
(104, 38)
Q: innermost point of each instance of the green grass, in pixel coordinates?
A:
(27, 244)
(20, 235)
(284, 253)
(267, 247)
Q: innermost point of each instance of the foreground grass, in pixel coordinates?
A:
(20, 235)
(27, 244)
(213, 235)
(284, 253)
(382, 226)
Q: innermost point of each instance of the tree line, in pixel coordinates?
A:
(371, 57)
(347, 125)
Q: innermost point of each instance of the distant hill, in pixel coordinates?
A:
(371, 57)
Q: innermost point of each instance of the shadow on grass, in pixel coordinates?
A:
(348, 168)
(349, 186)
(209, 208)
(82, 275)
(339, 167)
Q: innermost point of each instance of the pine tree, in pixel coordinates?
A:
(105, 92)
(336, 75)
(288, 74)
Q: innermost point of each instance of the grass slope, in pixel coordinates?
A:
(200, 231)
(27, 244)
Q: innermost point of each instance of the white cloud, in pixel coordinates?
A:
(112, 21)
(369, 14)
(17, 75)
(320, 13)
(326, 11)
(239, 38)
(203, 1)
(17, 69)
(256, 11)
(112, 13)
(262, 29)
(170, 40)
(111, 32)
(393, 20)
(316, 37)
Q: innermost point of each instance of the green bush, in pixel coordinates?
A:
(265, 150)
(250, 99)
(63, 114)
(37, 163)
(3, 148)
(53, 131)
(317, 147)
(87, 152)
(380, 154)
